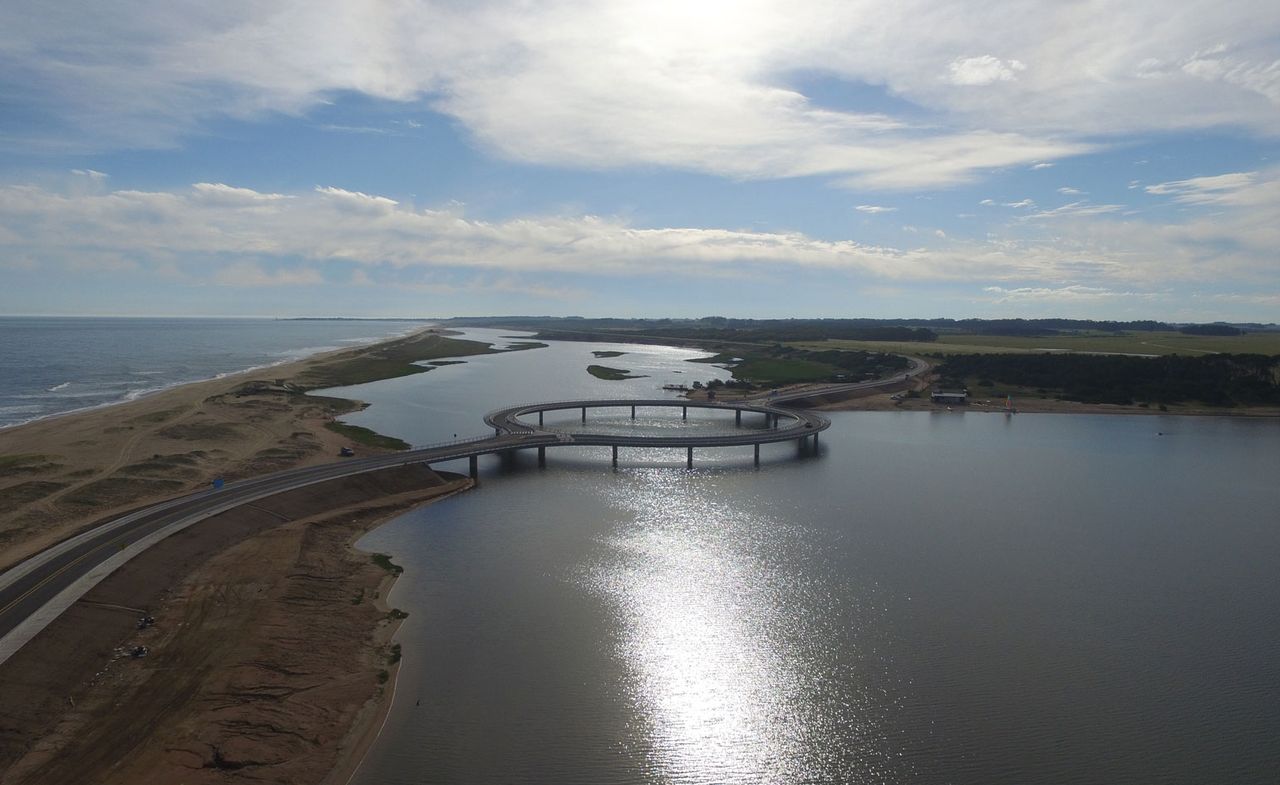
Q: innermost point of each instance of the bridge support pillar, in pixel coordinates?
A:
(584, 414)
(539, 419)
(633, 412)
(737, 417)
(757, 454)
(542, 457)
(815, 441)
(684, 412)
(615, 456)
(473, 466)
(689, 461)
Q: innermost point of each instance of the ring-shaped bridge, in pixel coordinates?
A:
(781, 424)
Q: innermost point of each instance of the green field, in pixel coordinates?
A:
(1158, 343)
(611, 374)
(781, 371)
(365, 436)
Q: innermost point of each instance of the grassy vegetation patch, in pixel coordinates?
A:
(603, 355)
(940, 347)
(611, 374)
(387, 361)
(118, 490)
(27, 492)
(1155, 342)
(30, 463)
(273, 459)
(368, 437)
(180, 464)
(200, 431)
(384, 561)
(1159, 343)
(157, 417)
(782, 371)
(715, 359)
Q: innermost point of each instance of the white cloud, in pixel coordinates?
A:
(1077, 209)
(1041, 165)
(248, 274)
(229, 195)
(874, 209)
(988, 202)
(708, 87)
(1068, 191)
(1216, 189)
(236, 236)
(983, 70)
(1071, 293)
(1024, 203)
(92, 174)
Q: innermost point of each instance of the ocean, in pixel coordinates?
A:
(54, 365)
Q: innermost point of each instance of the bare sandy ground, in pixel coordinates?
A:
(61, 474)
(269, 660)
(270, 656)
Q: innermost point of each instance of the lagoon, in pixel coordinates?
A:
(950, 597)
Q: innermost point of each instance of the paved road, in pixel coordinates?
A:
(29, 586)
(918, 367)
(49, 579)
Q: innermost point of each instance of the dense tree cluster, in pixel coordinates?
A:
(1211, 329)
(1216, 379)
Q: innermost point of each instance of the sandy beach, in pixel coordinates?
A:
(270, 659)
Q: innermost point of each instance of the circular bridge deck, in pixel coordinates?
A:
(781, 425)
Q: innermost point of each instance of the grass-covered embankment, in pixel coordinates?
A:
(611, 374)
(387, 361)
(778, 365)
(367, 437)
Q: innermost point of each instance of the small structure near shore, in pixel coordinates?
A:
(950, 397)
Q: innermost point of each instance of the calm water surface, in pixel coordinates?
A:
(935, 598)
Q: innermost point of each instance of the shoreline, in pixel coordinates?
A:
(139, 395)
(272, 620)
(69, 471)
(66, 472)
(222, 417)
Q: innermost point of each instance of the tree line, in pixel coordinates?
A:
(1215, 380)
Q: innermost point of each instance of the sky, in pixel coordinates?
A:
(921, 158)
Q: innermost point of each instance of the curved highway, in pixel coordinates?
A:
(33, 592)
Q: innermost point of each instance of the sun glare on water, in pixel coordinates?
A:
(726, 661)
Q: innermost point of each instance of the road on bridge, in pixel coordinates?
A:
(33, 592)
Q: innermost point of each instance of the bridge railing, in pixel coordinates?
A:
(573, 403)
(451, 443)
